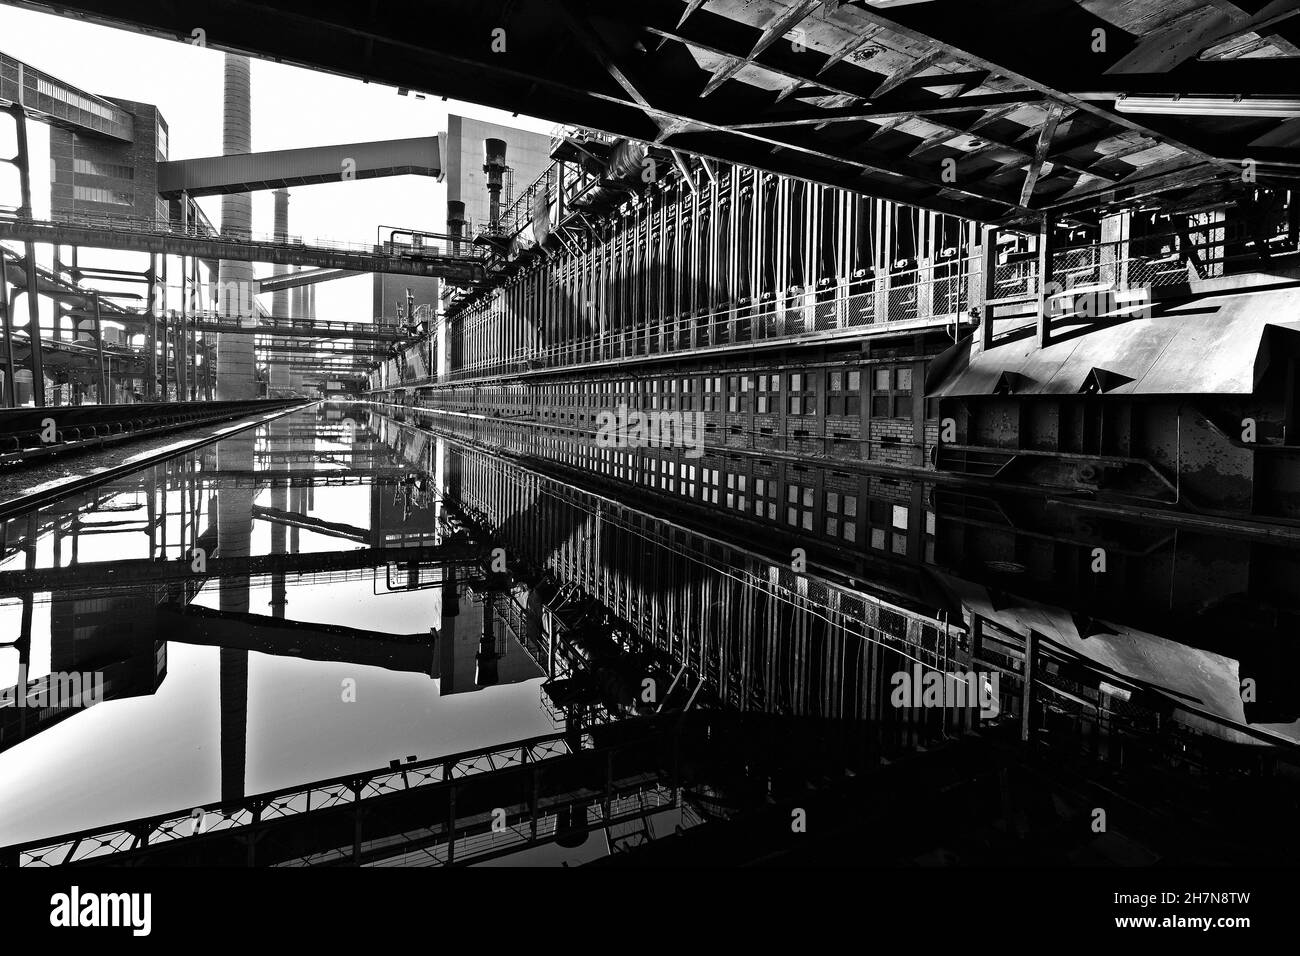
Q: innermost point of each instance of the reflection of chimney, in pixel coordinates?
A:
(494, 155)
(455, 222)
(487, 656)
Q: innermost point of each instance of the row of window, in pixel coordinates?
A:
(96, 194)
(891, 393)
(93, 167)
(64, 95)
(885, 524)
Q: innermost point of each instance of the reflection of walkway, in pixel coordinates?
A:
(274, 635)
(110, 575)
(440, 805)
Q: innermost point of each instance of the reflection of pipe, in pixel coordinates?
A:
(487, 656)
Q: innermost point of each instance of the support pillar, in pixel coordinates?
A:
(10, 386)
(104, 397)
(989, 277)
(1045, 281)
(1027, 692)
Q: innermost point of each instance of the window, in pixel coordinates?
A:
(688, 400)
(91, 167)
(769, 393)
(891, 392)
(841, 516)
(843, 393)
(799, 506)
(711, 481)
(733, 394)
(900, 517)
(765, 498)
(94, 194)
(802, 399)
(736, 491)
(65, 95)
(712, 388)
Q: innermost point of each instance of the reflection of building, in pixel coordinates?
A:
(104, 635)
(476, 649)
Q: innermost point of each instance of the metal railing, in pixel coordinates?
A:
(446, 247)
(918, 296)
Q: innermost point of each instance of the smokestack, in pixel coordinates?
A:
(494, 155)
(236, 375)
(278, 372)
(455, 222)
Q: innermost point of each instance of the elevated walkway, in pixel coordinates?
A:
(275, 169)
(464, 265)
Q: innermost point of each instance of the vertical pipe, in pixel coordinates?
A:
(10, 386)
(104, 397)
(34, 327)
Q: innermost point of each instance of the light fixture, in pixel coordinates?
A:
(1209, 106)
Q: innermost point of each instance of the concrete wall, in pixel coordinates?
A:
(527, 156)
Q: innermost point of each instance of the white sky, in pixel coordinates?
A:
(291, 108)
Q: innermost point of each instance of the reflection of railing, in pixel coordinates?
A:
(169, 828)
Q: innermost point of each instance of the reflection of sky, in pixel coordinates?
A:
(129, 758)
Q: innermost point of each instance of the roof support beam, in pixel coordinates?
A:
(915, 68)
(774, 31)
(1040, 154)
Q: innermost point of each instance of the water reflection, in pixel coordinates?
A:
(337, 590)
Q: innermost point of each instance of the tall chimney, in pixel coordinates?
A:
(236, 370)
(494, 155)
